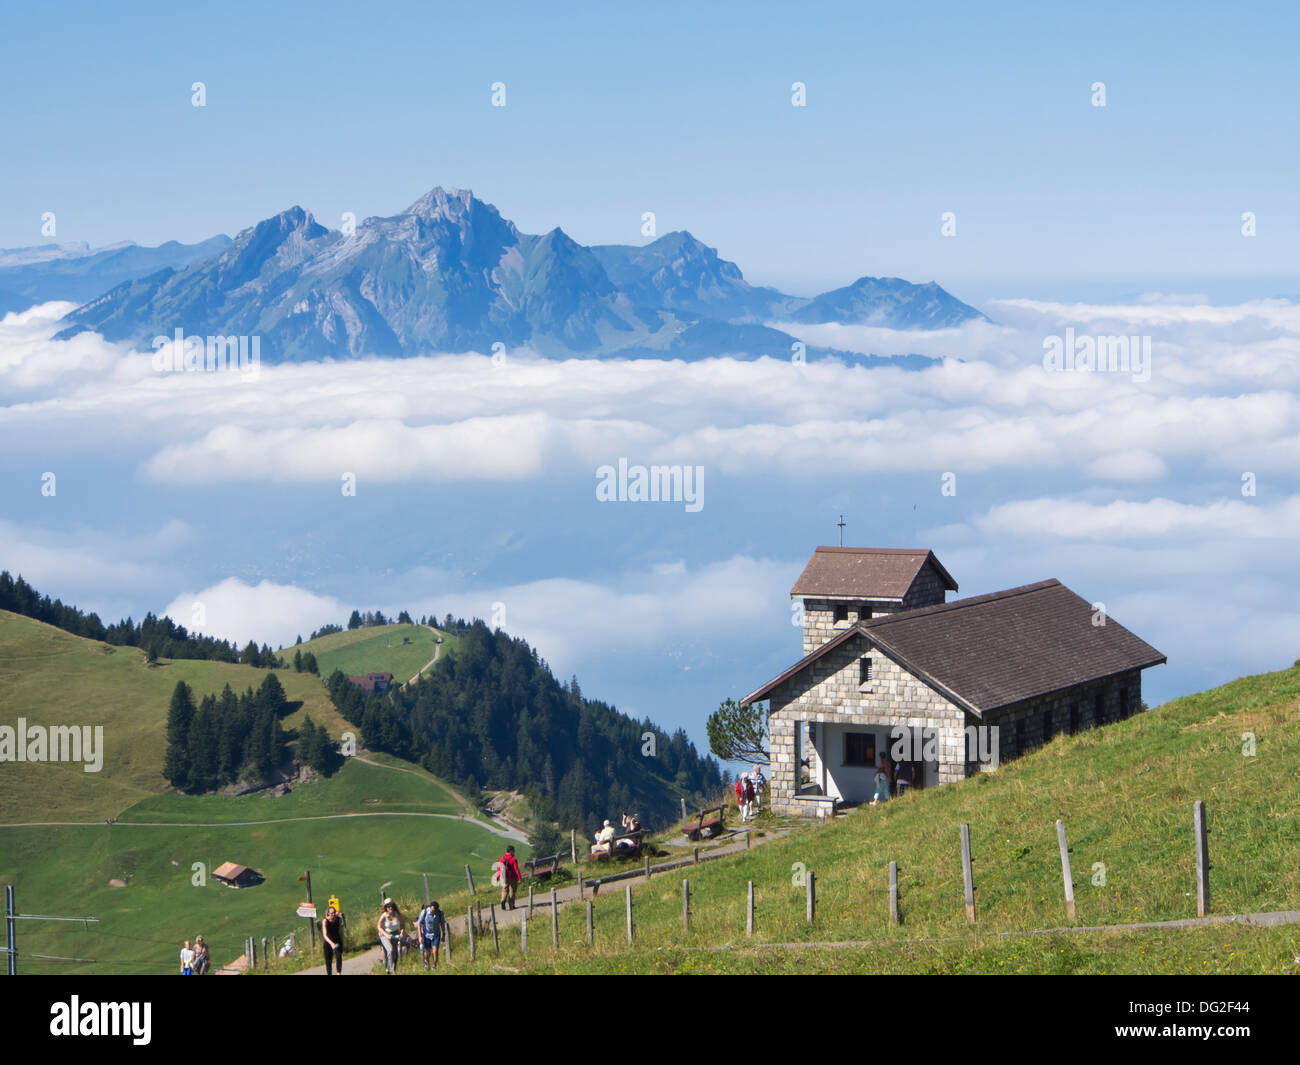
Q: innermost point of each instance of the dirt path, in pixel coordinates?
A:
(272, 821)
(367, 960)
(499, 827)
(437, 648)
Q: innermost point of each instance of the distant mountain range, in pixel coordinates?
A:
(450, 274)
(29, 276)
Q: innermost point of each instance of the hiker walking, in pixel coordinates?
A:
(432, 924)
(510, 877)
(331, 933)
(390, 926)
(757, 778)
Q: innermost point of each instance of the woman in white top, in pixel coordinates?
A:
(390, 927)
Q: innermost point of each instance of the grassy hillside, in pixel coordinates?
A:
(367, 825)
(51, 677)
(374, 821)
(378, 649)
(1125, 793)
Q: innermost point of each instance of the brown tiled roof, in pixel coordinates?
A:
(230, 871)
(865, 572)
(993, 650)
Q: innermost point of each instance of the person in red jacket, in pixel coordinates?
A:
(510, 877)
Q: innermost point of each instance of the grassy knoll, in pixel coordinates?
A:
(1125, 793)
(49, 676)
(67, 870)
(374, 650)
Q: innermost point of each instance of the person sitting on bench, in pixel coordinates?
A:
(604, 838)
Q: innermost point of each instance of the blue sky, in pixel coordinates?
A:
(686, 112)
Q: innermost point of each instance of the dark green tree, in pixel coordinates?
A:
(180, 715)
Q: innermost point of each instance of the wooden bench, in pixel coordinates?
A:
(709, 823)
(628, 845)
(542, 868)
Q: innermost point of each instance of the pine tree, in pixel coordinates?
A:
(180, 715)
(271, 695)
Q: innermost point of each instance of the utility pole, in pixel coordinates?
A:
(11, 944)
(311, 921)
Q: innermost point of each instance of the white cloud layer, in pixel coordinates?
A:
(566, 620)
(1222, 396)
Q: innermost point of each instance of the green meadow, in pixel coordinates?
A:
(378, 649)
(366, 826)
(51, 677)
(1125, 794)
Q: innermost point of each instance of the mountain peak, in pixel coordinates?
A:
(443, 203)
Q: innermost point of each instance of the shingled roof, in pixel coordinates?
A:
(993, 650)
(864, 573)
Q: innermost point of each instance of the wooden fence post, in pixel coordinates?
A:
(1202, 858)
(811, 885)
(530, 900)
(470, 877)
(1065, 868)
(746, 839)
(749, 910)
(573, 845)
(496, 942)
(523, 933)
(469, 924)
(893, 893)
(685, 816)
(591, 924)
(629, 914)
(697, 855)
(686, 903)
(968, 877)
(555, 921)
(266, 958)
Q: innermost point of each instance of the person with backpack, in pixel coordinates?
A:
(758, 781)
(510, 877)
(432, 924)
(331, 933)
